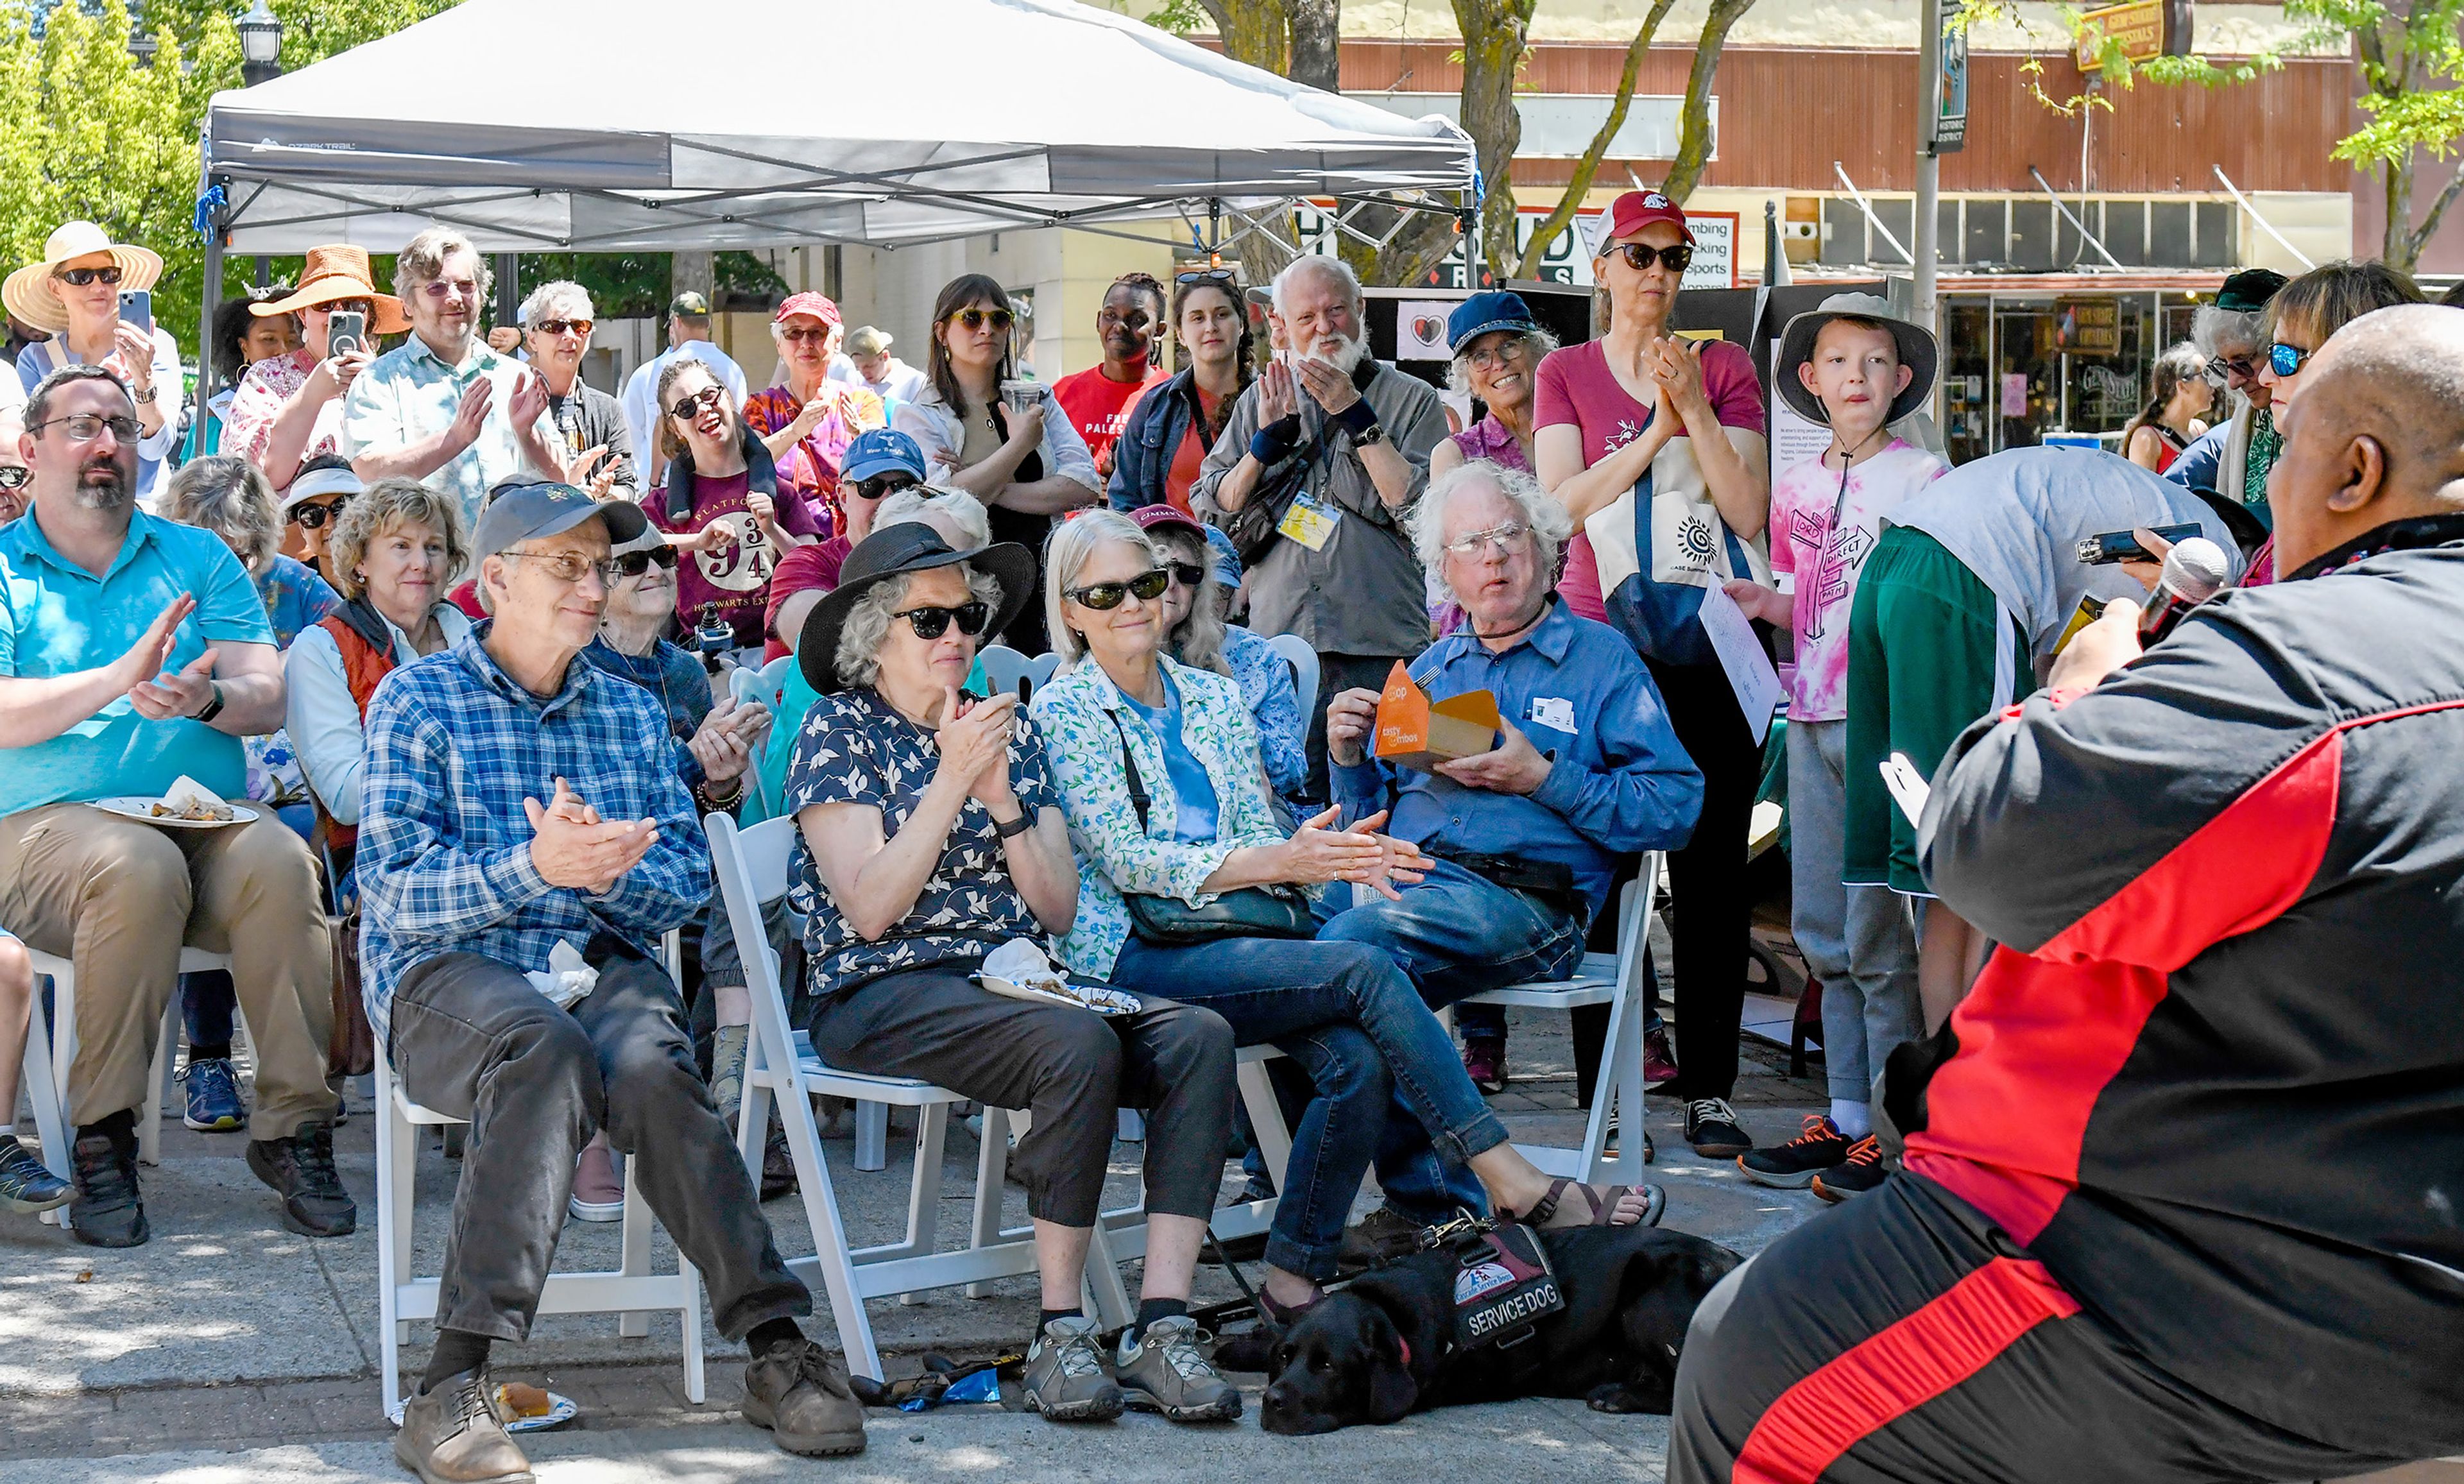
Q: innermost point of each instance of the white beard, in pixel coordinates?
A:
(1347, 359)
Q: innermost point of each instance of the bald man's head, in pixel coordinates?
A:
(2374, 434)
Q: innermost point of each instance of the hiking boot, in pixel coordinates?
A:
(1615, 1139)
(802, 1396)
(1861, 1171)
(26, 1186)
(1711, 1128)
(300, 1169)
(213, 1097)
(108, 1212)
(1162, 1372)
(598, 1189)
(1380, 1237)
(778, 1161)
(727, 1053)
(1793, 1165)
(1485, 1063)
(1065, 1374)
(453, 1435)
(1658, 1062)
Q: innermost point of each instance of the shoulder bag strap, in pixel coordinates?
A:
(1138, 797)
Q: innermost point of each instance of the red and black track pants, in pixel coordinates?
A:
(1904, 1338)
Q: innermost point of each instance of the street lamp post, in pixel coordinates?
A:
(260, 45)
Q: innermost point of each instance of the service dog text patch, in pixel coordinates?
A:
(1504, 1286)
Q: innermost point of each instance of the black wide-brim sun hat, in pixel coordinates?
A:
(1917, 353)
(909, 546)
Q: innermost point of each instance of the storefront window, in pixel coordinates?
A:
(2103, 361)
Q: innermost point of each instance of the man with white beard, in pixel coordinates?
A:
(1323, 455)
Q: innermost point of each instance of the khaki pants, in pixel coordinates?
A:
(118, 899)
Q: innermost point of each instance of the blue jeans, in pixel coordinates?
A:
(1352, 1022)
(1454, 935)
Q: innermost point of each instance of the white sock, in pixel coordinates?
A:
(1853, 1118)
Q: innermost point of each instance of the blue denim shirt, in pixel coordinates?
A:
(1621, 782)
(1143, 455)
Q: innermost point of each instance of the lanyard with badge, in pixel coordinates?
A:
(1309, 520)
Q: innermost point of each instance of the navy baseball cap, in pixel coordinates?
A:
(1494, 310)
(882, 450)
(520, 511)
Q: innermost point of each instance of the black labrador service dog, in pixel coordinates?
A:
(1386, 1346)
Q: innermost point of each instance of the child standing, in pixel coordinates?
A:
(1856, 366)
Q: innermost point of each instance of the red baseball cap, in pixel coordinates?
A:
(815, 306)
(1636, 209)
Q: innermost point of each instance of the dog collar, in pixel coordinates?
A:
(1407, 1351)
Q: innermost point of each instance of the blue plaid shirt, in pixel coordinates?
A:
(454, 745)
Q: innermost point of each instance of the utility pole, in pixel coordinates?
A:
(1941, 128)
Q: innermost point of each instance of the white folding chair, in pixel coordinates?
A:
(1305, 667)
(1004, 667)
(633, 1290)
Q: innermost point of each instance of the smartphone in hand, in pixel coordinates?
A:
(137, 308)
(346, 330)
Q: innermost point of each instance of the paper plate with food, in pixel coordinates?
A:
(185, 805)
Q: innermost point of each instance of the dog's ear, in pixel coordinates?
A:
(1392, 1390)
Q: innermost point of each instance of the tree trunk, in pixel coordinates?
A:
(1694, 122)
(1493, 37)
(1589, 165)
(1254, 32)
(1316, 29)
(689, 272)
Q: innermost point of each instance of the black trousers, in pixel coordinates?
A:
(1903, 1339)
(1711, 907)
(473, 1040)
(1073, 1069)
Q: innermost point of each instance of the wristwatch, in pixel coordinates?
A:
(1374, 433)
(1011, 829)
(143, 396)
(213, 708)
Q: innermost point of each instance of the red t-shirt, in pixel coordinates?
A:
(1190, 457)
(734, 580)
(804, 570)
(1099, 408)
(1576, 388)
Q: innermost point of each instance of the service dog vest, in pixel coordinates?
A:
(1504, 1286)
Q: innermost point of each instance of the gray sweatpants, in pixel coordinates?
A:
(1859, 941)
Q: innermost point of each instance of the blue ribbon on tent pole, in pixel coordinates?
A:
(209, 211)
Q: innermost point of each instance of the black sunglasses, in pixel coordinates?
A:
(1207, 275)
(1188, 574)
(633, 565)
(973, 318)
(13, 476)
(880, 486)
(308, 517)
(687, 405)
(1103, 597)
(934, 622)
(2234, 366)
(1639, 257)
(81, 276)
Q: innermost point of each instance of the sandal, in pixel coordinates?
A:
(1280, 1314)
(1602, 1213)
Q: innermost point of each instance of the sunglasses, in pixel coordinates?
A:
(1639, 257)
(816, 334)
(934, 622)
(690, 406)
(309, 517)
(880, 486)
(81, 276)
(1207, 275)
(2233, 365)
(579, 327)
(1188, 574)
(633, 565)
(349, 307)
(2286, 359)
(442, 288)
(973, 318)
(1104, 597)
(13, 476)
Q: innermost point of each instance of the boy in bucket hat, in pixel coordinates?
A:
(1859, 367)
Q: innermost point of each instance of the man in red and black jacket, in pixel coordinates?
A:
(2183, 1173)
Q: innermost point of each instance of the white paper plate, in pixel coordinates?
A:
(560, 1412)
(131, 807)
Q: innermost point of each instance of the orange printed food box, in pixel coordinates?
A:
(1416, 731)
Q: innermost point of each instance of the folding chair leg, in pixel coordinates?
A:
(1266, 1119)
(159, 1084)
(397, 1145)
(1107, 1298)
(831, 1249)
(1133, 1126)
(691, 1276)
(635, 1324)
(49, 1100)
(872, 1136)
(992, 1173)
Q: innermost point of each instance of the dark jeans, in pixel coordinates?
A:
(473, 1040)
(1453, 935)
(1073, 1069)
(1336, 674)
(1711, 907)
(1356, 1025)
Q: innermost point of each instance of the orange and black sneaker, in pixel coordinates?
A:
(1793, 1165)
(1862, 1170)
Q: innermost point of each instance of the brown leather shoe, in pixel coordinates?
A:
(802, 1396)
(453, 1435)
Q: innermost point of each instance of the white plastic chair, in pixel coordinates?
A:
(633, 1290)
(1004, 667)
(1305, 667)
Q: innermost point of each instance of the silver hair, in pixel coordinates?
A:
(230, 498)
(1197, 640)
(778, 330)
(2215, 329)
(1551, 528)
(547, 301)
(867, 623)
(1065, 555)
(1320, 267)
(1541, 341)
(423, 259)
(914, 502)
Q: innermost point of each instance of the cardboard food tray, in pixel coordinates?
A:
(1415, 731)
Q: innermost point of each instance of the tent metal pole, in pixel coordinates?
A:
(211, 289)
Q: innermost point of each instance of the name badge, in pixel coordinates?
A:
(1310, 523)
(1554, 711)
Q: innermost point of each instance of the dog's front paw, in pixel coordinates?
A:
(1624, 1396)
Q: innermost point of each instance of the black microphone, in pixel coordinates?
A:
(2195, 571)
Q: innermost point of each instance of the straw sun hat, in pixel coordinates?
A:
(332, 274)
(29, 295)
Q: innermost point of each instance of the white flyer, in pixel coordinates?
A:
(1742, 655)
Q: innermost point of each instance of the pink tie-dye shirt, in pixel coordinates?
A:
(1821, 532)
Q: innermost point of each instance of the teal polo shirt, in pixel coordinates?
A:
(58, 618)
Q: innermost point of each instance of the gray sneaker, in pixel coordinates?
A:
(453, 1435)
(1163, 1372)
(1065, 1374)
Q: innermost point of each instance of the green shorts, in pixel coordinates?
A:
(1930, 649)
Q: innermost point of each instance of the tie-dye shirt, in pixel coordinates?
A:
(1822, 529)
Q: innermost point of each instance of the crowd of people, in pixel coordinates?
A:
(455, 626)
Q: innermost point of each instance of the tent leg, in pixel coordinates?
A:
(211, 300)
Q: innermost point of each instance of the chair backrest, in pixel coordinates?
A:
(764, 685)
(1004, 667)
(1305, 667)
(762, 850)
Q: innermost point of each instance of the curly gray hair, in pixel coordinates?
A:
(1458, 373)
(1551, 528)
(558, 298)
(2220, 332)
(867, 623)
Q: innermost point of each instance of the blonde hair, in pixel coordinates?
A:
(1065, 554)
(1197, 641)
(386, 504)
(229, 497)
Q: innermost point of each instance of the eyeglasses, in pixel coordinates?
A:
(1488, 358)
(690, 406)
(934, 622)
(87, 427)
(441, 289)
(633, 565)
(817, 334)
(1506, 538)
(880, 486)
(1639, 257)
(2233, 365)
(13, 476)
(1188, 574)
(579, 327)
(81, 276)
(308, 517)
(973, 318)
(1104, 597)
(572, 566)
(2286, 359)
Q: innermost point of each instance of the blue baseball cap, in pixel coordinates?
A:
(1494, 310)
(881, 451)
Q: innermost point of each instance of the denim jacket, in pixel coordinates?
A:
(1143, 455)
(1078, 709)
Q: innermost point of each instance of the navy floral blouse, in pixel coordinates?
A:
(855, 748)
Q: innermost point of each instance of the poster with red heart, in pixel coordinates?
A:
(1420, 329)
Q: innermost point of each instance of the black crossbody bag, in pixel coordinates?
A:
(1249, 912)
